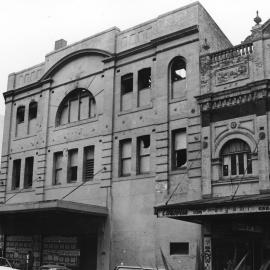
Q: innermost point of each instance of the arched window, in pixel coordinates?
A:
(77, 105)
(178, 69)
(236, 158)
(178, 77)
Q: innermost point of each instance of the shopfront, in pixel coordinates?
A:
(236, 231)
(52, 232)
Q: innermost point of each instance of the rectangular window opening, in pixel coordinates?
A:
(28, 172)
(241, 163)
(89, 163)
(143, 146)
(125, 157)
(72, 165)
(58, 168)
(179, 248)
(249, 163)
(20, 114)
(179, 149)
(127, 83)
(144, 78)
(16, 174)
(233, 165)
(32, 110)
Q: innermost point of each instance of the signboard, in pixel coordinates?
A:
(213, 211)
(207, 254)
(232, 74)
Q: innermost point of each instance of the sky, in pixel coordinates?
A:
(30, 27)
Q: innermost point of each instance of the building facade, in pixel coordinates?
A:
(234, 205)
(109, 127)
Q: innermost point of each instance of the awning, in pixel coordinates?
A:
(51, 217)
(210, 209)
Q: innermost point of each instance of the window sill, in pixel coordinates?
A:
(178, 171)
(174, 100)
(175, 256)
(235, 181)
(76, 123)
(18, 190)
(72, 184)
(142, 108)
(133, 177)
(24, 137)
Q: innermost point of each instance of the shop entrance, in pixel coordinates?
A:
(237, 252)
(76, 252)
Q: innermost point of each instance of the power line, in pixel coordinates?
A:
(187, 169)
(104, 168)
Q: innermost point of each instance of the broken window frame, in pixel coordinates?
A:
(143, 154)
(178, 65)
(144, 78)
(179, 153)
(127, 83)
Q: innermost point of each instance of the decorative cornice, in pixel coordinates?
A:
(240, 95)
(26, 88)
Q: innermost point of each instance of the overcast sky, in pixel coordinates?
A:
(30, 27)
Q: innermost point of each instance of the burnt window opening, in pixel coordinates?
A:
(179, 248)
(125, 157)
(178, 69)
(72, 165)
(16, 174)
(58, 168)
(144, 78)
(28, 172)
(127, 83)
(179, 149)
(89, 163)
(33, 106)
(236, 158)
(76, 106)
(20, 114)
(143, 145)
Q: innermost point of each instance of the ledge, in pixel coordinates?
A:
(137, 109)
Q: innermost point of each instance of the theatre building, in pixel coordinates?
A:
(165, 113)
(233, 207)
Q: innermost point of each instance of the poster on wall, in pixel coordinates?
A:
(207, 253)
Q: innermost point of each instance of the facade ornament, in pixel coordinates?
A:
(205, 45)
(257, 19)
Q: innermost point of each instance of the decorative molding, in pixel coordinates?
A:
(249, 93)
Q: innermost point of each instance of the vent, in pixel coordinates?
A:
(89, 170)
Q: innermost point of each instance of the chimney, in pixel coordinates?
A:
(59, 44)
